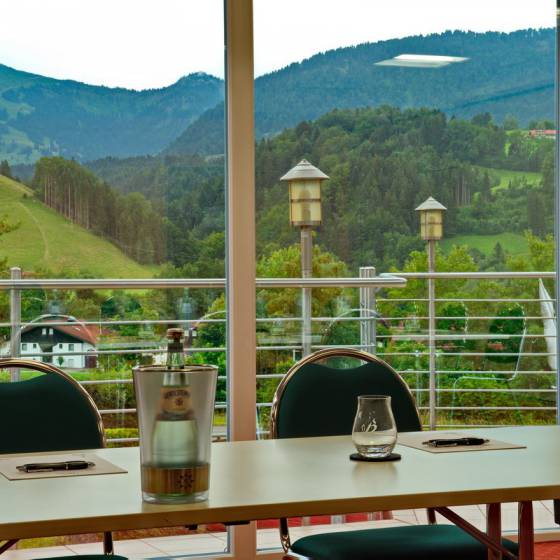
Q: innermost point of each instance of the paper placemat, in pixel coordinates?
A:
(8, 466)
(416, 440)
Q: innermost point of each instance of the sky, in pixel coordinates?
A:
(144, 44)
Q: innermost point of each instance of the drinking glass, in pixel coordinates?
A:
(374, 433)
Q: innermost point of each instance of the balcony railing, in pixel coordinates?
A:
(476, 376)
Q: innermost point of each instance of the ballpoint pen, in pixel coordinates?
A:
(61, 466)
(455, 442)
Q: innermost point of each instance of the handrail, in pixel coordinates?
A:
(381, 281)
(395, 280)
(522, 275)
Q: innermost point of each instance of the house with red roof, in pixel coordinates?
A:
(60, 340)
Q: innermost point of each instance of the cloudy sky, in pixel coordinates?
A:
(146, 44)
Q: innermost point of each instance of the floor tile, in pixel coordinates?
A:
(189, 544)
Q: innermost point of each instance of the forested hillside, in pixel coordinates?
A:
(382, 163)
(129, 221)
(41, 241)
(505, 74)
(41, 116)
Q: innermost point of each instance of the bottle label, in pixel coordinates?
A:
(176, 403)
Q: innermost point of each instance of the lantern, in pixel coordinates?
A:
(431, 219)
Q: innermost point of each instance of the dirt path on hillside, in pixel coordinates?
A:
(46, 252)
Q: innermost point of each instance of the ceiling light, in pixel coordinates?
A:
(421, 60)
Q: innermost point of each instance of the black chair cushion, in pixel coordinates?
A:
(321, 401)
(45, 413)
(421, 542)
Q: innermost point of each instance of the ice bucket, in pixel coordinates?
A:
(175, 413)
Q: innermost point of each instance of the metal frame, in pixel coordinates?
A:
(314, 358)
(19, 363)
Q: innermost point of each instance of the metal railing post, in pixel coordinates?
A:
(15, 320)
(306, 301)
(432, 332)
(368, 307)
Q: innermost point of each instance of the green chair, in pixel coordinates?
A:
(51, 412)
(298, 410)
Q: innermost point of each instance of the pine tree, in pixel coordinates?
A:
(5, 169)
(536, 213)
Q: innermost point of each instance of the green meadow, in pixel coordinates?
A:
(513, 243)
(501, 178)
(45, 239)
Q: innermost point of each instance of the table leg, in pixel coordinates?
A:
(494, 528)
(526, 531)
(557, 512)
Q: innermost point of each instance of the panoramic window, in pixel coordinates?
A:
(393, 104)
(98, 181)
(409, 144)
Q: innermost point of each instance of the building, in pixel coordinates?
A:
(541, 133)
(70, 345)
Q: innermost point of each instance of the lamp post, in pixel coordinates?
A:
(431, 230)
(304, 184)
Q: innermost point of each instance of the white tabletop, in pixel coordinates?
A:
(296, 477)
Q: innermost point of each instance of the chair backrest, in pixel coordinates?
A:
(317, 400)
(50, 412)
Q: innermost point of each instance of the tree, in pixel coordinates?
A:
(497, 259)
(536, 213)
(510, 123)
(482, 119)
(5, 169)
(286, 263)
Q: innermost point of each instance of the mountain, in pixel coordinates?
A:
(382, 163)
(42, 116)
(505, 74)
(45, 239)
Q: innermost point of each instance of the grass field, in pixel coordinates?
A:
(505, 176)
(513, 243)
(45, 239)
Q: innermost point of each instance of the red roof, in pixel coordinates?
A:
(85, 333)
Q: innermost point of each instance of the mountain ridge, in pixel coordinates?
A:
(45, 116)
(48, 116)
(499, 65)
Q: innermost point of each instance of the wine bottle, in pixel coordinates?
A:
(175, 435)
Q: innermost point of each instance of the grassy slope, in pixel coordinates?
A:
(47, 240)
(504, 176)
(513, 243)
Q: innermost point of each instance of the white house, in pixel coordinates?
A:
(71, 345)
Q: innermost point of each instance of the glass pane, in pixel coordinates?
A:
(398, 102)
(98, 181)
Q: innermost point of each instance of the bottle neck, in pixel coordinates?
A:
(176, 358)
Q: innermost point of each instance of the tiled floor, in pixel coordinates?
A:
(215, 543)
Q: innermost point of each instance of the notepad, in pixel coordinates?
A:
(416, 439)
(9, 464)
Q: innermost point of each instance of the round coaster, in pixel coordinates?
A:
(390, 457)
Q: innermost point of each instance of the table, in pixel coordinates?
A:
(295, 477)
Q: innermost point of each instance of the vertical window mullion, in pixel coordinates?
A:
(240, 162)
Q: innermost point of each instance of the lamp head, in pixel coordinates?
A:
(304, 184)
(431, 219)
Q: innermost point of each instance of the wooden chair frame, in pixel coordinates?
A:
(51, 369)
